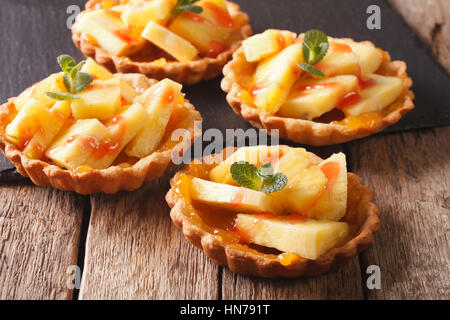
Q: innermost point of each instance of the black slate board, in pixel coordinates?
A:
(34, 33)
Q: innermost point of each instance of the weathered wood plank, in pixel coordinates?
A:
(134, 251)
(410, 174)
(39, 235)
(431, 21)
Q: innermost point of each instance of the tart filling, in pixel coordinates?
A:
(86, 119)
(350, 86)
(296, 209)
(161, 32)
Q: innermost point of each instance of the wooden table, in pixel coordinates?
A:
(128, 247)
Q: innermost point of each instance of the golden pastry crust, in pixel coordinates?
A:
(183, 72)
(361, 213)
(306, 131)
(110, 180)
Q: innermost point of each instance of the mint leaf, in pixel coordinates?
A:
(246, 175)
(185, 5)
(275, 183)
(315, 46)
(266, 170)
(61, 96)
(311, 70)
(67, 83)
(82, 80)
(66, 63)
(262, 179)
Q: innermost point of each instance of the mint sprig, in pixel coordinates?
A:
(75, 81)
(263, 179)
(315, 48)
(185, 5)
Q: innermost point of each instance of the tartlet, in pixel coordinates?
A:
(125, 173)
(158, 64)
(197, 224)
(329, 128)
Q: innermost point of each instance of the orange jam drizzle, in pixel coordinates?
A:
(287, 258)
(216, 48)
(331, 172)
(221, 15)
(197, 18)
(340, 47)
(305, 89)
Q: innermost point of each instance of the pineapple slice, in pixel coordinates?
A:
(233, 198)
(302, 191)
(308, 239)
(311, 98)
(77, 146)
(127, 91)
(170, 42)
(95, 70)
(382, 93)
(340, 59)
(274, 78)
(99, 100)
(370, 58)
(107, 29)
(159, 101)
(53, 83)
(262, 45)
(42, 138)
(208, 31)
(255, 155)
(139, 12)
(293, 162)
(89, 143)
(333, 203)
(33, 117)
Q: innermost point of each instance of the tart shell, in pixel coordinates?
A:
(110, 180)
(311, 132)
(361, 212)
(187, 73)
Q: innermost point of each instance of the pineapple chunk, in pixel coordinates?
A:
(311, 98)
(262, 45)
(99, 100)
(173, 44)
(89, 143)
(309, 239)
(42, 138)
(369, 57)
(208, 31)
(33, 117)
(340, 59)
(293, 162)
(159, 101)
(274, 78)
(255, 155)
(127, 91)
(77, 146)
(107, 29)
(53, 83)
(333, 203)
(380, 95)
(302, 191)
(233, 198)
(95, 70)
(139, 12)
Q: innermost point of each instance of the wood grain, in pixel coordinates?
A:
(410, 174)
(39, 235)
(133, 251)
(431, 21)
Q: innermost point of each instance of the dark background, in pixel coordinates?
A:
(34, 33)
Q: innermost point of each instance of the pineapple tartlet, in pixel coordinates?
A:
(186, 41)
(274, 211)
(88, 130)
(316, 89)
